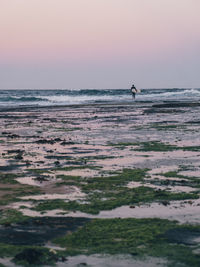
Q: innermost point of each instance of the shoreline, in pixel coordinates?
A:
(27, 108)
(156, 104)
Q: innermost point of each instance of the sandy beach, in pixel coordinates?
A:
(89, 165)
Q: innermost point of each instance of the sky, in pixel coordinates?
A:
(99, 43)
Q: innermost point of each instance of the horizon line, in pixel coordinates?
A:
(152, 88)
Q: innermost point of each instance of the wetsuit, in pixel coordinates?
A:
(133, 90)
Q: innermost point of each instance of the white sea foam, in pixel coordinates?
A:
(88, 96)
(62, 99)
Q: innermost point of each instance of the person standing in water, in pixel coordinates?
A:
(133, 90)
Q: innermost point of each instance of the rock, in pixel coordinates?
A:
(19, 156)
(165, 202)
(57, 163)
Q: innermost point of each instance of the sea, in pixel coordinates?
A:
(57, 97)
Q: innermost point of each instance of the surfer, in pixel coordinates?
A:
(133, 90)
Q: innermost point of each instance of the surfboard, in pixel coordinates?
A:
(136, 91)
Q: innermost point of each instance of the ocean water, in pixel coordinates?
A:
(16, 98)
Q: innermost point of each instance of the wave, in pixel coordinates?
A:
(89, 92)
(21, 99)
(81, 98)
(84, 96)
(166, 94)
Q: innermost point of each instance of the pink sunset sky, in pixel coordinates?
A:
(99, 43)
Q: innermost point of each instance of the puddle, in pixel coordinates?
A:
(79, 172)
(183, 236)
(191, 173)
(182, 211)
(122, 159)
(3, 162)
(28, 181)
(73, 194)
(135, 184)
(163, 169)
(50, 213)
(125, 159)
(41, 181)
(190, 142)
(7, 262)
(39, 231)
(112, 261)
(172, 188)
(17, 205)
(156, 178)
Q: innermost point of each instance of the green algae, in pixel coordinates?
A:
(112, 188)
(111, 182)
(167, 127)
(155, 146)
(98, 157)
(36, 256)
(7, 250)
(122, 144)
(79, 167)
(107, 193)
(68, 180)
(191, 181)
(138, 237)
(30, 255)
(115, 235)
(9, 216)
(38, 171)
(9, 178)
(107, 201)
(173, 174)
(191, 148)
(147, 146)
(63, 129)
(14, 195)
(16, 191)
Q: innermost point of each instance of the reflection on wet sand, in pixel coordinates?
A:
(66, 154)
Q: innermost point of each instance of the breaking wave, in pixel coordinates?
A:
(88, 96)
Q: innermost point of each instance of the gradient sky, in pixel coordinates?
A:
(99, 43)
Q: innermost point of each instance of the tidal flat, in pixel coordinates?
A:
(100, 185)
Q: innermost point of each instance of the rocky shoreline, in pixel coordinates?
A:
(138, 161)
